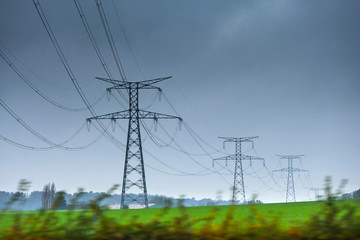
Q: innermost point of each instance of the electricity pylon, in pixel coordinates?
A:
(316, 192)
(238, 157)
(290, 190)
(134, 171)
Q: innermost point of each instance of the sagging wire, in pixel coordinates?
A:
(200, 173)
(27, 147)
(68, 69)
(110, 39)
(151, 102)
(188, 128)
(94, 43)
(40, 93)
(41, 137)
(126, 39)
(31, 71)
(265, 184)
(154, 138)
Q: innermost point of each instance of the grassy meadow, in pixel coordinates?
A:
(288, 213)
(282, 215)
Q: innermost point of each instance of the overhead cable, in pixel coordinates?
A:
(110, 39)
(68, 69)
(126, 39)
(27, 147)
(40, 93)
(38, 135)
(31, 71)
(94, 44)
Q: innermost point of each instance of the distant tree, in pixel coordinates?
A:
(52, 194)
(181, 201)
(33, 201)
(356, 194)
(48, 196)
(346, 196)
(60, 201)
(256, 201)
(4, 198)
(211, 203)
(162, 201)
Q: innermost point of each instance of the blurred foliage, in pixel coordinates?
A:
(331, 222)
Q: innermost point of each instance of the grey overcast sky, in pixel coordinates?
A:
(286, 71)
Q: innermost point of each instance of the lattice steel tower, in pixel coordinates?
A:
(134, 171)
(290, 190)
(316, 192)
(238, 157)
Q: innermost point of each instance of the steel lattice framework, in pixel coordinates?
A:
(290, 189)
(316, 192)
(238, 157)
(134, 159)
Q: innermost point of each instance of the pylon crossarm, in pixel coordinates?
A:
(281, 170)
(290, 156)
(252, 158)
(125, 86)
(234, 139)
(148, 83)
(247, 157)
(300, 170)
(226, 158)
(142, 114)
(229, 157)
(113, 81)
(116, 115)
(155, 116)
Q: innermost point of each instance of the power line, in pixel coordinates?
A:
(40, 93)
(32, 72)
(193, 106)
(181, 149)
(94, 43)
(206, 171)
(153, 138)
(127, 40)
(40, 136)
(32, 148)
(92, 38)
(110, 39)
(68, 69)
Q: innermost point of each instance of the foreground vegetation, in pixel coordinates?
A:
(330, 219)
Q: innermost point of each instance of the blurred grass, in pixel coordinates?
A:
(331, 219)
(289, 214)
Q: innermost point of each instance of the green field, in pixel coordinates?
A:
(288, 214)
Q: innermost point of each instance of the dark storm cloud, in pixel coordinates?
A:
(285, 70)
(246, 35)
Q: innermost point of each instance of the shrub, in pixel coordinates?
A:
(332, 222)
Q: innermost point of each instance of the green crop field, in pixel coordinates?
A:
(288, 214)
(304, 220)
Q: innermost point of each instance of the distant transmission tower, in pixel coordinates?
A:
(238, 157)
(290, 190)
(134, 171)
(316, 192)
